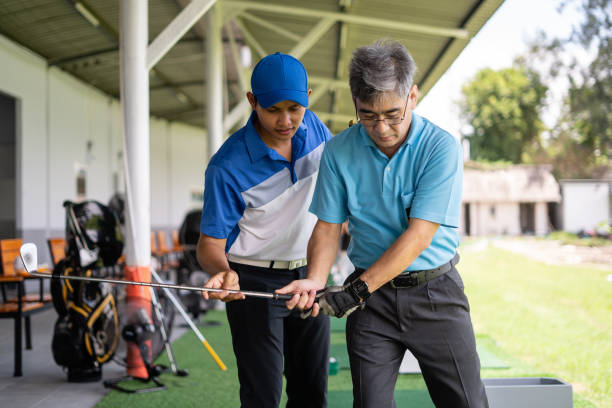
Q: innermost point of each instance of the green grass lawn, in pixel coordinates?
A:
(542, 320)
(551, 320)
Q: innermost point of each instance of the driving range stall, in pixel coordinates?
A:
(108, 96)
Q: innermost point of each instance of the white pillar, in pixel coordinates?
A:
(214, 79)
(135, 104)
(541, 218)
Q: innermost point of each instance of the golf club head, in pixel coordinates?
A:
(29, 256)
(88, 256)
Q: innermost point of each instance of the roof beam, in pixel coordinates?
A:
(270, 26)
(244, 87)
(248, 37)
(176, 29)
(184, 84)
(298, 50)
(235, 114)
(312, 37)
(195, 110)
(349, 18)
(318, 93)
(337, 117)
(333, 83)
(96, 53)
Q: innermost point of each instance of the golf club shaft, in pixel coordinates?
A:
(193, 327)
(267, 295)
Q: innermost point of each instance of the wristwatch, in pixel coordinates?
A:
(361, 289)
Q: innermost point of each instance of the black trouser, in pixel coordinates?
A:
(265, 331)
(433, 322)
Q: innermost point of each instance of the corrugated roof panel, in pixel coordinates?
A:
(57, 31)
(50, 28)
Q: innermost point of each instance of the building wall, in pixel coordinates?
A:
(542, 226)
(585, 204)
(503, 219)
(66, 126)
(494, 218)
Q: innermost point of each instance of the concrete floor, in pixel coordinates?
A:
(43, 383)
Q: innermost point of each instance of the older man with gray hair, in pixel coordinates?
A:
(397, 178)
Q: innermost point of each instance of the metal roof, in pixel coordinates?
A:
(82, 38)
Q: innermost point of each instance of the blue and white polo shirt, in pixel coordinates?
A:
(257, 200)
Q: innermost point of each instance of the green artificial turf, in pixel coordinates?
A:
(488, 358)
(206, 385)
(403, 399)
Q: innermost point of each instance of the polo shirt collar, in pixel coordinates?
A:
(257, 148)
(415, 129)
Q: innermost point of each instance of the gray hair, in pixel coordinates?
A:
(383, 67)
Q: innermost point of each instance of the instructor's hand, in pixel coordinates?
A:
(223, 280)
(340, 301)
(304, 292)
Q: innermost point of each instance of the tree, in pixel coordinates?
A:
(583, 133)
(503, 110)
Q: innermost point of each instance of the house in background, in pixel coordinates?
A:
(513, 200)
(586, 203)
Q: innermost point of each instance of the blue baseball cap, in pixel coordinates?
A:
(279, 77)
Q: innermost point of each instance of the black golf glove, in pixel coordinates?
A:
(340, 301)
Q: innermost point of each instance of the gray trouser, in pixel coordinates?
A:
(433, 322)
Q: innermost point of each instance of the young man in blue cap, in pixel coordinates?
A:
(254, 231)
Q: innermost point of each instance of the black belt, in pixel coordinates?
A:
(416, 278)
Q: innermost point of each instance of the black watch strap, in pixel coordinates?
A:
(361, 289)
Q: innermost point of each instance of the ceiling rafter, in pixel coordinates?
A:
(272, 27)
(176, 29)
(350, 18)
(112, 33)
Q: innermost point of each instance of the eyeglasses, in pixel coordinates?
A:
(371, 119)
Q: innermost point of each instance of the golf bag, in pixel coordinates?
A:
(189, 270)
(86, 332)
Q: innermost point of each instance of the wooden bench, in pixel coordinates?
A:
(9, 252)
(18, 308)
(57, 249)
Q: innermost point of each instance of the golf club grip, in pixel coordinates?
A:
(282, 296)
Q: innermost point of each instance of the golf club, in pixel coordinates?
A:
(29, 256)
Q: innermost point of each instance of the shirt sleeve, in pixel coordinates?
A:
(330, 198)
(223, 204)
(322, 130)
(437, 196)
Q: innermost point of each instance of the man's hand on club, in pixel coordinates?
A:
(223, 280)
(304, 292)
(340, 301)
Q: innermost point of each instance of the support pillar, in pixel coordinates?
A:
(135, 105)
(214, 79)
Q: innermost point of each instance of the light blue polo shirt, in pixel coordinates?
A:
(257, 199)
(422, 180)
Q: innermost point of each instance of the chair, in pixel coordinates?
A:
(176, 245)
(57, 249)
(154, 249)
(19, 307)
(9, 252)
(164, 252)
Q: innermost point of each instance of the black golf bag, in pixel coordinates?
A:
(189, 270)
(87, 330)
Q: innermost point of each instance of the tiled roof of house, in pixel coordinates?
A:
(518, 183)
